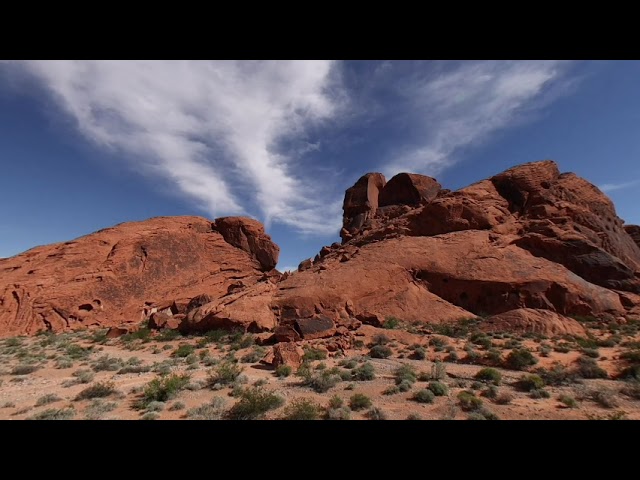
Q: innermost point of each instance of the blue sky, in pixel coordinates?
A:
(88, 144)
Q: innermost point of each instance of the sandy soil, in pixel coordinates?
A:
(52, 386)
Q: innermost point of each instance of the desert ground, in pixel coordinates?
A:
(417, 372)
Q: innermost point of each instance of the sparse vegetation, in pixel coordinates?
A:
(489, 375)
(588, 368)
(54, 414)
(254, 403)
(359, 401)
(23, 369)
(163, 389)
(97, 390)
(439, 389)
(423, 396)
(468, 401)
(283, 371)
(531, 382)
(311, 354)
(380, 351)
(568, 401)
(391, 323)
(47, 399)
(364, 372)
(438, 371)
(302, 409)
(183, 350)
(212, 410)
(376, 414)
(97, 409)
(519, 359)
(225, 373)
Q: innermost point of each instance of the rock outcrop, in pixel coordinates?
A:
(526, 249)
(121, 275)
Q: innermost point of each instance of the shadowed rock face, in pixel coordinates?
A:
(120, 274)
(526, 249)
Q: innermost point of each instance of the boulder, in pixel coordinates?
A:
(249, 235)
(409, 189)
(528, 320)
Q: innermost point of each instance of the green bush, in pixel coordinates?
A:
(539, 393)
(163, 389)
(419, 353)
(556, 375)
(225, 373)
(312, 354)
(340, 413)
(97, 390)
(489, 375)
(439, 389)
(336, 402)
(438, 371)
(107, 363)
(391, 323)
(519, 359)
(212, 410)
(568, 401)
(588, 368)
(405, 372)
(359, 401)
(423, 396)
(24, 369)
(530, 382)
(380, 351)
(54, 414)
(254, 403)
(364, 372)
(324, 381)
(468, 401)
(302, 409)
(47, 399)
(283, 371)
(183, 351)
(604, 397)
(376, 414)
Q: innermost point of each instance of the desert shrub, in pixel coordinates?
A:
(359, 401)
(591, 352)
(376, 414)
(391, 323)
(134, 369)
(8, 405)
(97, 390)
(468, 401)
(143, 334)
(527, 383)
(539, 393)
(106, 363)
(255, 355)
(413, 416)
(483, 414)
(224, 373)
(380, 339)
(588, 368)
(24, 369)
(349, 363)
(150, 416)
(212, 410)
(64, 363)
(183, 351)
(405, 385)
(97, 408)
(556, 375)
(568, 401)
(439, 389)
(323, 382)
(489, 375)
(54, 414)
(453, 357)
(302, 409)
(490, 392)
(380, 351)
(472, 356)
(604, 397)
(254, 403)
(519, 359)
(438, 371)
(155, 406)
(438, 342)
(312, 354)
(176, 406)
(340, 413)
(364, 372)
(504, 398)
(393, 389)
(419, 353)
(405, 372)
(283, 371)
(423, 396)
(163, 389)
(83, 376)
(47, 399)
(336, 402)
(76, 352)
(631, 389)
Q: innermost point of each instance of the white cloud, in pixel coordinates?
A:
(208, 127)
(465, 104)
(611, 187)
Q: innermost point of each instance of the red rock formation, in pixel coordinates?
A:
(634, 233)
(122, 274)
(360, 202)
(528, 320)
(409, 189)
